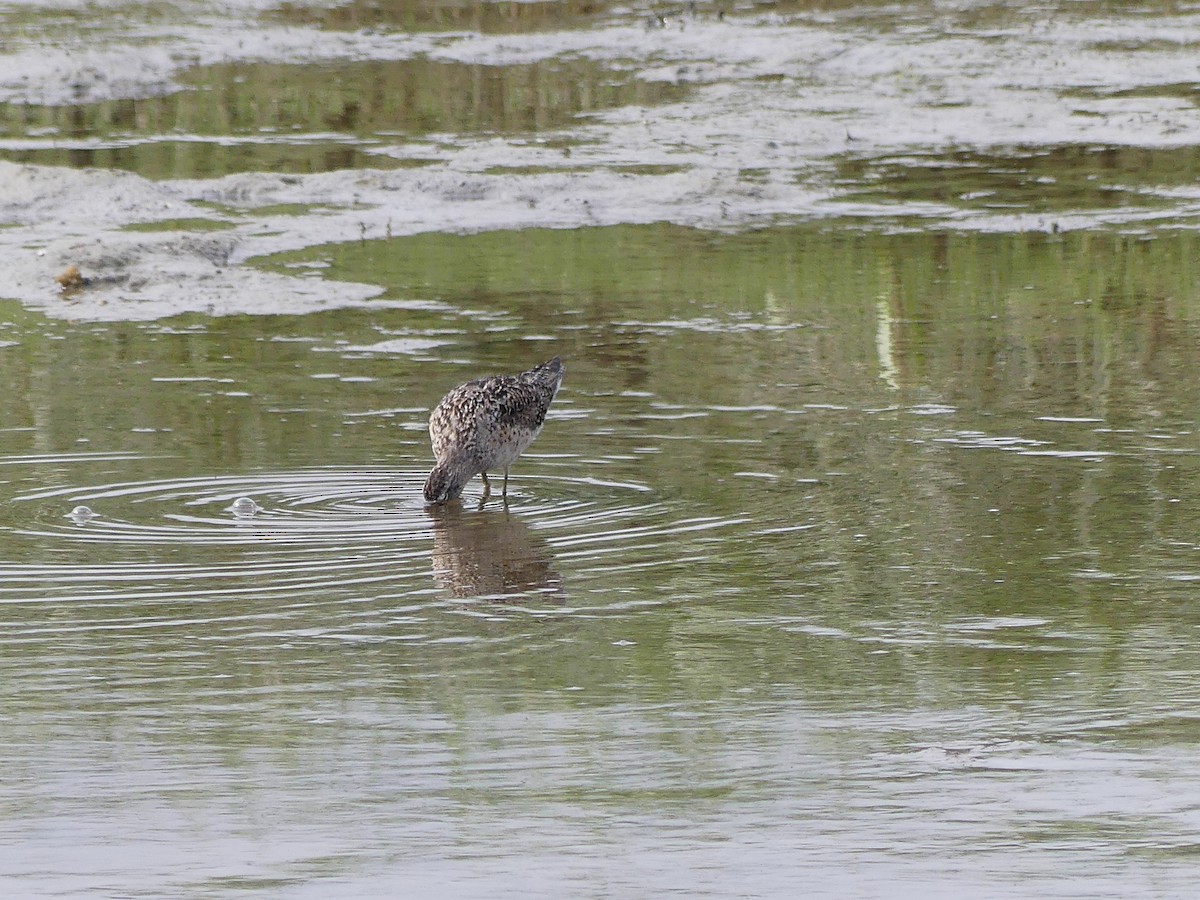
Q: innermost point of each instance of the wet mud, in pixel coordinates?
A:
(367, 121)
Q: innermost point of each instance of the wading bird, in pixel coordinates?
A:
(484, 425)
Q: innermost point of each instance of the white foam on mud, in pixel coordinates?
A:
(69, 217)
(139, 277)
(776, 102)
(74, 218)
(108, 51)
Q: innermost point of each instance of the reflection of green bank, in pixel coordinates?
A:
(1048, 299)
(871, 416)
(414, 16)
(188, 224)
(317, 117)
(1039, 180)
(727, 369)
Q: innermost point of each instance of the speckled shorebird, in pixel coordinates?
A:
(484, 425)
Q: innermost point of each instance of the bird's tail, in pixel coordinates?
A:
(549, 373)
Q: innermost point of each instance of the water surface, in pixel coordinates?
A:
(842, 558)
(858, 556)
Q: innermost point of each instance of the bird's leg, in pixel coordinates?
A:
(504, 491)
(487, 487)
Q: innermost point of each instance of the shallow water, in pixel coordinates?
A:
(881, 563)
(858, 556)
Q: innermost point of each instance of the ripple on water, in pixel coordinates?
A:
(305, 506)
(279, 541)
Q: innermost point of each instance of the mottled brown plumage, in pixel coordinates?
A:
(484, 425)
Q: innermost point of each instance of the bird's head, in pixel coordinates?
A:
(445, 483)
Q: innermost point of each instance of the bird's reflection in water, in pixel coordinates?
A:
(489, 553)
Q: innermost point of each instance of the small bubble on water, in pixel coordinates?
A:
(81, 515)
(244, 508)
